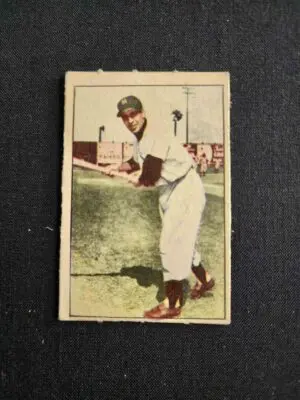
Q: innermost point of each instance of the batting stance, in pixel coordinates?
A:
(167, 165)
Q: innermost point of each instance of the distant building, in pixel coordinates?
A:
(104, 153)
(86, 151)
(218, 154)
(110, 153)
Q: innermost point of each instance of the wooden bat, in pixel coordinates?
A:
(132, 178)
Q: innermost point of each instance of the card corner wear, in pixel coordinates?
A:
(139, 252)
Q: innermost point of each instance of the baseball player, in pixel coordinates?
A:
(167, 165)
(203, 164)
(217, 165)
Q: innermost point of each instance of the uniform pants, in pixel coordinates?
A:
(181, 204)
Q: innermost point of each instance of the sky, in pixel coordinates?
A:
(97, 106)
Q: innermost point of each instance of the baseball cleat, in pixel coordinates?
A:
(202, 285)
(162, 312)
(173, 290)
(200, 288)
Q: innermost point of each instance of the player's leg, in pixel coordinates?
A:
(173, 285)
(180, 227)
(201, 275)
(204, 281)
(180, 223)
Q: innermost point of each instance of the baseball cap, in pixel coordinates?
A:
(127, 103)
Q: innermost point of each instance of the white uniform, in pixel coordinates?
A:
(181, 203)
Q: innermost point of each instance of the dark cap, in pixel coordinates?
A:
(127, 103)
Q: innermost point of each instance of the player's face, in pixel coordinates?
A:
(133, 120)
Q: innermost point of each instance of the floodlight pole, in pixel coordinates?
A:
(175, 126)
(187, 91)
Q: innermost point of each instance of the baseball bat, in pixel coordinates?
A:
(108, 171)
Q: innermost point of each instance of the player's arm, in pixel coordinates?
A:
(128, 167)
(151, 171)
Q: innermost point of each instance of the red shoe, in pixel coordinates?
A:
(162, 312)
(173, 290)
(198, 291)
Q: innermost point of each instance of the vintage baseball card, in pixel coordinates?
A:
(146, 205)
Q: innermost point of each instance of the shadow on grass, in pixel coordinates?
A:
(145, 277)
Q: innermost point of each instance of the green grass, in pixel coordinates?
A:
(116, 268)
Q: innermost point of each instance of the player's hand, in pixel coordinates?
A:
(134, 180)
(112, 169)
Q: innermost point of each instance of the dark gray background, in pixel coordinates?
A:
(257, 356)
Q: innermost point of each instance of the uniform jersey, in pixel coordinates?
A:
(176, 160)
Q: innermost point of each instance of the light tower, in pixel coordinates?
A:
(101, 130)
